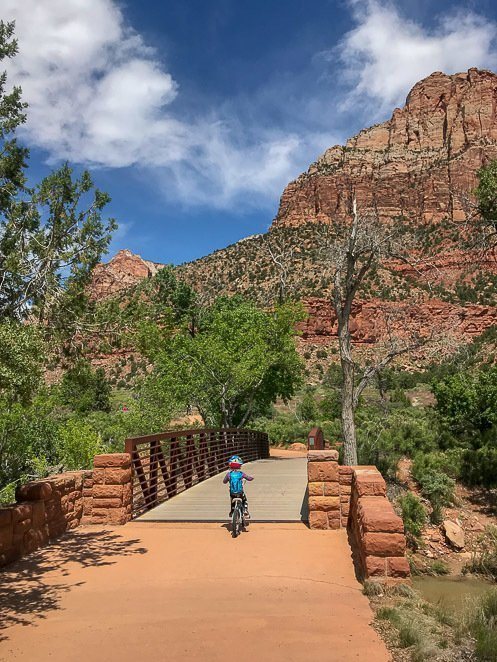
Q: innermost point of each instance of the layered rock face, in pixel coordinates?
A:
(122, 272)
(420, 163)
(374, 320)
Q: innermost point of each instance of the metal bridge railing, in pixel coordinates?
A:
(168, 463)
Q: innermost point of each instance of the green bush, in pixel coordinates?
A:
(436, 567)
(479, 467)
(283, 429)
(385, 437)
(435, 486)
(28, 435)
(307, 409)
(448, 462)
(78, 444)
(466, 403)
(413, 515)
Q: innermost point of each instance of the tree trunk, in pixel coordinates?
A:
(347, 414)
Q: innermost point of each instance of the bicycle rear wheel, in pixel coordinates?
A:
(235, 522)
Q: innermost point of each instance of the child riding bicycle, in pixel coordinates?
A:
(235, 478)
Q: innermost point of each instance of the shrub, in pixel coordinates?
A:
(78, 444)
(448, 462)
(436, 568)
(28, 434)
(283, 429)
(385, 437)
(307, 409)
(435, 486)
(413, 514)
(388, 614)
(479, 467)
(408, 635)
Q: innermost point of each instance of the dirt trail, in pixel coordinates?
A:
(188, 592)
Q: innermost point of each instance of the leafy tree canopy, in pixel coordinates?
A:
(51, 235)
(240, 362)
(467, 403)
(84, 389)
(21, 361)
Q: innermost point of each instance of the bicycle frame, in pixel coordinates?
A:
(238, 517)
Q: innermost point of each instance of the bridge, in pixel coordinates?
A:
(173, 584)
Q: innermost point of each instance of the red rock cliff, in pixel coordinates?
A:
(416, 164)
(122, 272)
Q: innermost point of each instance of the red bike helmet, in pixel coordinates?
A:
(235, 462)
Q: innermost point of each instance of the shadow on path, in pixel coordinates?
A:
(26, 592)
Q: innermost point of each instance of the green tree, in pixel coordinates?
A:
(241, 361)
(307, 409)
(21, 361)
(466, 403)
(84, 389)
(486, 193)
(51, 235)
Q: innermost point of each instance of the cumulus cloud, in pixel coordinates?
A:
(385, 54)
(99, 96)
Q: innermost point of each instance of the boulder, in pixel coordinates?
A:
(454, 534)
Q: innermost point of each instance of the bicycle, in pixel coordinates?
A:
(238, 517)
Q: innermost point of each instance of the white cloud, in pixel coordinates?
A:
(385, 54)
(97, 95)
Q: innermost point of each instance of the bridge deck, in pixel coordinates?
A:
(277, 494)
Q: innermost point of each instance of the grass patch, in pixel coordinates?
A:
(484, 562)
(409, 635)
(482, 624)
(388, 614)
(372, 588)
(437, 567)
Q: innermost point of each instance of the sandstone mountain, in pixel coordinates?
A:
(421, 164)
(123, 271)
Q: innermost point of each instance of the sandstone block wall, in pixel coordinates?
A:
(376, 531)
(329, 488)
(47, 508)
(111, 491)
(355, 498)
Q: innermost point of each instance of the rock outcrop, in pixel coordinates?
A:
(420, 163)
(374, 320)
(123, 271)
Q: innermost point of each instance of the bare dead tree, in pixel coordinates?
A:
(354, 251)
(281, 254)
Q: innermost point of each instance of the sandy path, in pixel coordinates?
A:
(188, 592)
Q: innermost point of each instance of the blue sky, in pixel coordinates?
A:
(194, 114)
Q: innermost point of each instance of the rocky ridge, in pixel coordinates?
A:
(420, 163)
(122, 272)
